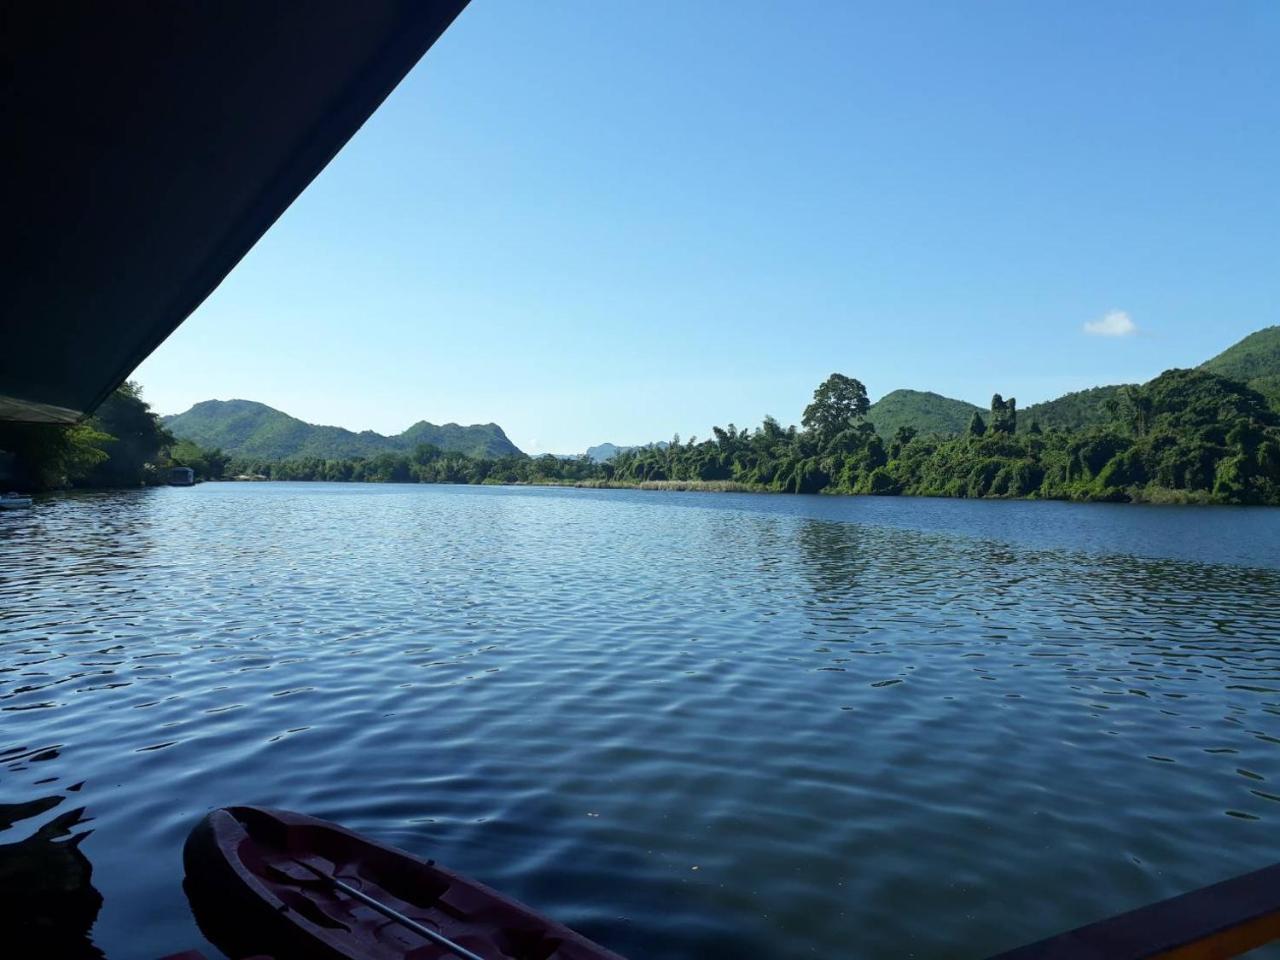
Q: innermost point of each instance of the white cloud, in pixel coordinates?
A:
(1116, 323)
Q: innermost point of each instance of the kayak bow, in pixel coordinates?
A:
(270, 881)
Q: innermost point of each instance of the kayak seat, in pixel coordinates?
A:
(463, 904)
(307, 908)
(409, 882)
(289, 871)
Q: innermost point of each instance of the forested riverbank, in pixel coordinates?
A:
(122, 445)
(1188, 436)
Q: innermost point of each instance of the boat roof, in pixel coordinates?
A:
(147, 148)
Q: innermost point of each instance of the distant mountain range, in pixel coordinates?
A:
(1255, 361)
(244, 428)
(247, 429)
(607, 451)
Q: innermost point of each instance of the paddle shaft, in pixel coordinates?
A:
(437, 938)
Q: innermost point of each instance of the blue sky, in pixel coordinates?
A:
(598, 220)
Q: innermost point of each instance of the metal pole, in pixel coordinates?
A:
(436, 938)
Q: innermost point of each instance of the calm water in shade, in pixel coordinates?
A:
(690, 725)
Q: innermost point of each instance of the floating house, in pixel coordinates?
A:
(182, 477)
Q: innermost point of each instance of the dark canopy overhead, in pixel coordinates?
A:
(147, 146)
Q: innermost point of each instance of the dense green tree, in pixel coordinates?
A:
(123, 444)
(42, 456)
(136, 439)
(1004, 414)
(207, 464)
(901, 437)
(838, 402)
(1133, 406)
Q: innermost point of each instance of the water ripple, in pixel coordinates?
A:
(691, 726)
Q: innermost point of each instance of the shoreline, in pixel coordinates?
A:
(1144, 496)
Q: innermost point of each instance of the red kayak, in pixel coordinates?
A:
(272, 882)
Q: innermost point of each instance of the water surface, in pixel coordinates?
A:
(690, 725)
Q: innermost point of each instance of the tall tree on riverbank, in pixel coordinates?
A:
(134, 442)
(838, 403)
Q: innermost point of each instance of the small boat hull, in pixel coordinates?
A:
(253, 877)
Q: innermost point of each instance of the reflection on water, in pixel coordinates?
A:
(47, 901)
(691, 726)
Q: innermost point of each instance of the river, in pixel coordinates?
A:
(693, 726)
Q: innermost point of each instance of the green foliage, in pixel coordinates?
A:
(1254, 361)
(1256, 356)
(425, 464)
(1186, 435)
(122, 445)
(1081, 410)
(252, 430)
(134, 441)
(1268, 387)
(838, 402)
(1004, 415)
(880, 482)
(43, 456)
(208, 464)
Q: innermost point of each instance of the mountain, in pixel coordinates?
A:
(926, 412)
(248, 429)
(603, 452)
(1255, 361)
(244, 428)
(932, 413)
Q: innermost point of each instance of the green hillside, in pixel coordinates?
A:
(1071, 411)
(1269, 387)
(925, 412)
(1255, 361)
(244, 428)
